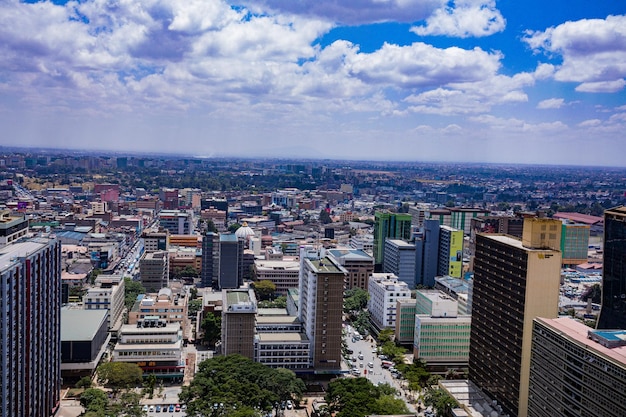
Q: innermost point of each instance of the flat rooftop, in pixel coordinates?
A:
(326, 266)
(81, 325)
(276, 319)
(237, 297)
(511, 241)
(435, 295)
(10, 253)
(281, 337)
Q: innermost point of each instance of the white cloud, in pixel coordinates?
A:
(590, 123)
(551, 103)
(593, 52)
(467, 18)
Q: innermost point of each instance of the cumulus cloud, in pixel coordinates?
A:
(466, 18)
(551, 103)
(351, 12)
(593, 52)
(515, 125)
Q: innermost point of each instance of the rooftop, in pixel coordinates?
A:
(81, 325)
(9, 253)
(326, 266)
(281, 337)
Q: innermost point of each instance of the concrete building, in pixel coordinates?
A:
(30, 317)
(176, 222)
(154, 269)
(154, 345)
(238, 322)
(514, 282)
(405, 321)
(321, 308)
(450, 252)
(427, 254)
(457, 288)
(392, 226)
(284, 273)
(613, 312)
(280, 341)
(107, 294)
(11, 227)
(167, 305)
(574, 243)
(399, 259)
(385, 290)
(358, 263)
(364, 242)
(84, 340)
(576, 371)
(154, 241)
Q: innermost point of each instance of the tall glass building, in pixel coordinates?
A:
(613, 313)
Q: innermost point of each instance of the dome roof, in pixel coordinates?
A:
(244, 232)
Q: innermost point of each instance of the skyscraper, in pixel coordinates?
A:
(613, 313)
(210, 259)
(514, 282)
(231, 261)
(321, 308)
(30, 320)
(426, 254)
(389, 225)
(450, 252)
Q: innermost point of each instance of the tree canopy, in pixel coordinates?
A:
(264, 289)
(212, 328)
(234, 382)
(357, 397)
(131, 290)
(119, 375)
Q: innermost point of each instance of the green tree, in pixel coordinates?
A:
(193, 293)
(357, 397)
(264, 289)
(595, 293)
(84, 382)
(212, 328)
(131, 290)
(233, 227)
(118, 375)
(385, 335)
(94, 399)
(440, 400)
(193, 307)
(355, 300)
(325, 217)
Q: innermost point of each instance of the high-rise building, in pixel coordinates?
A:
(392, 226)
(210, 259)
(427, 254)
(358, 263)
(613, 312)
(231, 261)
(30, 328)
(514, 282)
(321, 308)
(156, 240)
(11, 227)
(238, 321)
(576, 371)
(154, 270)
(177, 222)
(574, 243)
(385, 290)
(450, 252)
(399, 259)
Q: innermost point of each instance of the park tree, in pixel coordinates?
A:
(212, 328)
(194, 306)
(118, 375)
(355, 300)
(94, 399)
(440, 400)
(357, 397)
(264, 289)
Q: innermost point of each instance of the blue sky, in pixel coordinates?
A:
(419, 80)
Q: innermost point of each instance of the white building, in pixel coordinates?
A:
(107, 294)
(385, 290)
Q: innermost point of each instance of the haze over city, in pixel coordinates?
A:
(429, 80)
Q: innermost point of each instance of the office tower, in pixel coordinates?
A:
(399, 259)
(359, 265)
(156, 240)
(613, 312)
(385, 290)
(321, 308)
(30, 317)
(154, 270)
(210, 260)
(389, 225)
(231, 261)
(177, 222)
(574, 243)
(11, 227)
(514, 282)
(238, 321)
(450, 252)
(576, 371)
(427, 254)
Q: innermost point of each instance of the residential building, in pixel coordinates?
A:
(576, 371)
(154, 268)
(358, 263)
(30, 325)
(399, 259)
(154, 345)
(107, 294)
(321, 308)
(427, 254)
(613, 312)
(514, 282)
(385, 290)
(450, 252)
(238, 322)
(389, 225)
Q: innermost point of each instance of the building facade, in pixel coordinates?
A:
(154, 269)
(210, 260)
(30, 328)
(575, 372)
(107, 294)
(613, 312)
(358, 263)
(238, 322)
(427, 254)
(574, 243)
(392, 226)
(399, 259)
(450, 252)
(230, 262)
(513, 284)
(385, 290)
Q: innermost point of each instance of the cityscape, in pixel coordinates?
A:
(146, 285)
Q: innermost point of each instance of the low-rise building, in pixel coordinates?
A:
(168, 304)
(84, 339)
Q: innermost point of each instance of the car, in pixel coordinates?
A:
(353, 359)
(374, 351)
(145, 408)
(370, 364)
(171, 409)
(289, 405)
(355, 371)
(158, 409)
(151, 409)
(177, 408)
(361, 365)
(183, 407)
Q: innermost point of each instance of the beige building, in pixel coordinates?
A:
(166, 305)
(107, 294)
(284, 273)
(238, 322)
(154, 268)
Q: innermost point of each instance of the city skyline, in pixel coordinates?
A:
(429, 80)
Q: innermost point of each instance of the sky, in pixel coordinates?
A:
(532, 82)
